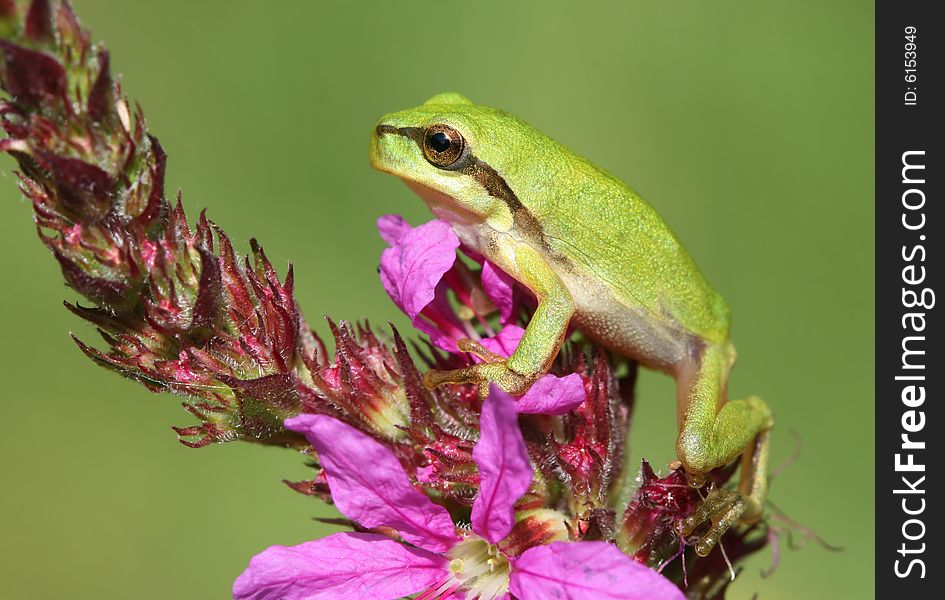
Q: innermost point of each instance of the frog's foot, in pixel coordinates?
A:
(721, 509)
(494, 369)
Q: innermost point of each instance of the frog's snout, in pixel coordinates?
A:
(376, 151)
(390, 149)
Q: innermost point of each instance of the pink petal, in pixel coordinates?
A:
(505, 342)
(439, 321)
(370, 487)
(411, 268)
(552, 395)
(586, 570)
(340, 566)
(499, 286)
(391, 228)
(443, 340)
(426, 474)
(472, 254)
(504, 470)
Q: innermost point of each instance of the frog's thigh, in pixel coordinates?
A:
(714, 432)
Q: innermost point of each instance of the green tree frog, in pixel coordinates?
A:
(595, 255)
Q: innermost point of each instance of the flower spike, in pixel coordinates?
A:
(449, 494)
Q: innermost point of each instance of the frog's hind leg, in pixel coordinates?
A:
(723, 508)
(713, 433)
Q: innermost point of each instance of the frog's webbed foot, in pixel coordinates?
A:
(494, 369)
(721, 509)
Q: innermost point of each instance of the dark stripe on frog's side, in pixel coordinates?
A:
(495, 185)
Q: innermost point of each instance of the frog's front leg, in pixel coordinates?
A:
(713, 433)
(540, 343)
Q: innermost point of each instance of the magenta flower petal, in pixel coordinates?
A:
(505, 342)
(586, 570)
(411, 268)
(499, 286)
(504, 470)
(438, 321)
(426, 474)
(552, 395)
(444, 340)
(370, 487)
(340, 566)
(392, 227)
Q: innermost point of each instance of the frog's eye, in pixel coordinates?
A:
(442, 145)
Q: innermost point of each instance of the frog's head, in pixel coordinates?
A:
(455, 155)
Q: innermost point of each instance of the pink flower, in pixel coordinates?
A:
(439, 562)
(500, 288)
(413, 266)
(550, 395)
(591, 570)
(412, 272)
(504, 469)
(420, 267)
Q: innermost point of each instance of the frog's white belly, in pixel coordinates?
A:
(632, 331)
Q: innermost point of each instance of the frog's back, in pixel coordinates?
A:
(636, 290)
(610, 235)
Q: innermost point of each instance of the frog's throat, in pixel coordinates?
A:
(442, 205)
(494, 184)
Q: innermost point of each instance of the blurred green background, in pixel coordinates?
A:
(748, 125)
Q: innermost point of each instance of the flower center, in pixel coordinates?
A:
(477, 568)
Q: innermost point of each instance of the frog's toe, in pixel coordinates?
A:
(721, 509)
(471, 374)
(497, 372)
(477, 349)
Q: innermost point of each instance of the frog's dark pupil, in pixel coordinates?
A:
(440, 142)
